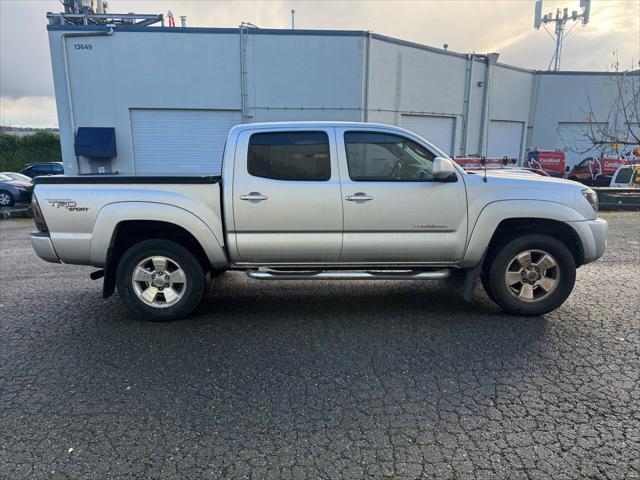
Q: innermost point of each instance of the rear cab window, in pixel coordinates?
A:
(295, 156)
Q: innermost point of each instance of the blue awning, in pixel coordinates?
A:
(96, 142)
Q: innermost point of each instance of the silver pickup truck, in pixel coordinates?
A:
(322, 200)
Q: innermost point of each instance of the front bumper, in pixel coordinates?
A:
(593, 235)
(41, 243)
(599, 230)
(20, 196)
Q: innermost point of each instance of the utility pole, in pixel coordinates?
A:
(560, 20)
(293, 19)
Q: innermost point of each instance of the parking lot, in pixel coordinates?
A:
(318, 380)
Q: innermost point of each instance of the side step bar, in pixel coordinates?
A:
(349, 275)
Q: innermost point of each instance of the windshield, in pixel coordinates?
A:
(16, 176)
(5, 178)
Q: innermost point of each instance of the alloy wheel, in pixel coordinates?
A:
(159, 281)
(532, 275)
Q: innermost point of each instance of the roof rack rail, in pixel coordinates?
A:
(139, 20)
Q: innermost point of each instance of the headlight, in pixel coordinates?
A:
(22, 189)
(592, 198)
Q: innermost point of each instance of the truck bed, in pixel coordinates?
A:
(83, 212)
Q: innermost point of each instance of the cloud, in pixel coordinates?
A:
(467, 26)
(28, 112)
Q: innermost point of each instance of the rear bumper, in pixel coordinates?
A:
(41, 243)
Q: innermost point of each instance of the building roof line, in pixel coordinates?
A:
(312, 32)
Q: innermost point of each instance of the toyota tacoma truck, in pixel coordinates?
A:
(322, 200)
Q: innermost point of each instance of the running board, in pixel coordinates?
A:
(349, 275)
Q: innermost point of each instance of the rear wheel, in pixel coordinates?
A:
(6, 199)
(531, 275)
(160, 280)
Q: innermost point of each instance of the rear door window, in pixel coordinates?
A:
(289, 156)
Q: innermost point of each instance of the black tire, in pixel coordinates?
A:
(496, 286)
(193, 272)
(484, 279)
(8, 196)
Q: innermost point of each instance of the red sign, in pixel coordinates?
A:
(608, 166)
(551, 161)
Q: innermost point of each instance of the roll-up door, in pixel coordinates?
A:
(180, 142)
(505, 139)
(438, 130)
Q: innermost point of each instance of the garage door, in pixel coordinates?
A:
(505, 139)
(180, 142)
(437, 130)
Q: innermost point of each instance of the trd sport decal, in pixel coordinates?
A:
(70, 205)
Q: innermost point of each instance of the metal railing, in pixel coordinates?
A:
(139, 20)
(614, 198)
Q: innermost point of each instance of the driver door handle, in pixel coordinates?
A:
(358, 197)
(253, 196)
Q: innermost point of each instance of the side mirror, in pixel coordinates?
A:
(443, 169)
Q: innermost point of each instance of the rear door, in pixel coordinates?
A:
(394, 210)
(286, 197)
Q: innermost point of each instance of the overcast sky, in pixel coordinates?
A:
(26, 86)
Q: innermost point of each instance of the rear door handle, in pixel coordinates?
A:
(254, 197)
(358, 197)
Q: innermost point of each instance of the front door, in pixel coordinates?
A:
(395, 211)
(286, 197)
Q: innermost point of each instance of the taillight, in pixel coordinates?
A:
(37, 215)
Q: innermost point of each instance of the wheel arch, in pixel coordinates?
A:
(121, 225)
(500, 221)
(511, 228)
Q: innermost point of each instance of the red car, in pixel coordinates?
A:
(596, 172)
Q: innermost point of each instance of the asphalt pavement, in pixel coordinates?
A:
(309, 379)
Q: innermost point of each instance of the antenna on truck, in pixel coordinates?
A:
(483, 162)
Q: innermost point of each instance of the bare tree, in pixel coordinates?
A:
(616, 132)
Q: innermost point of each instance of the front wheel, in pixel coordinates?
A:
(160, 280)
(6, 199)
(531, 275)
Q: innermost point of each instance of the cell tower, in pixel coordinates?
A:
(561, 18)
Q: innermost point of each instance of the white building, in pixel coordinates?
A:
(171, 94)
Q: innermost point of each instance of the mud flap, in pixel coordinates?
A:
(109, 283)
(471, 278)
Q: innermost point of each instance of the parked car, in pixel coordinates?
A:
(626, 176)
(43, 168)
(17, 176)
(14, 191)
(596, 172)
(322, 200)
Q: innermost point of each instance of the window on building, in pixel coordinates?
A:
(375, 156)
(289, 156)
